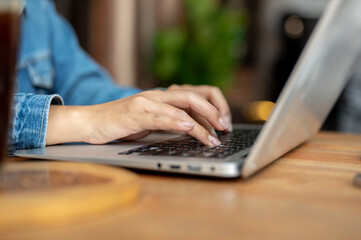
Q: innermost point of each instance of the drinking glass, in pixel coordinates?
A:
(9, 36)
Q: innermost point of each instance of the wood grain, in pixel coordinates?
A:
(307, 194)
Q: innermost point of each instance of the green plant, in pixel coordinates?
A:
(204, 49)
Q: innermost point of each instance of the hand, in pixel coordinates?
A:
(215, 97)
(134, 116)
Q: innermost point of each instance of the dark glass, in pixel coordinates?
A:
(9, 35)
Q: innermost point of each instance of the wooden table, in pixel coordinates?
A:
(307, 194)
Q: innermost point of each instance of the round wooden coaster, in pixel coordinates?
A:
(48, 193)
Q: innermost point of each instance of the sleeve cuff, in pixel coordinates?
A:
(30, 120)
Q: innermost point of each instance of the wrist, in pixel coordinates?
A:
(66, 124)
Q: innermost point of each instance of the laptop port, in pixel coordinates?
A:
(175, 167)
(192, 168)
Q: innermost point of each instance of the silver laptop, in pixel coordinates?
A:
(312, 89)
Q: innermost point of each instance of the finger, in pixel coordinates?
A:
(203, 135)
(215, 96)
(166, 109)
(211, 93)
(203, 122)
(202, 130)
(190, 100)
(154, 121)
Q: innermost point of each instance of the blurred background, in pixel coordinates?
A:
(246, 47)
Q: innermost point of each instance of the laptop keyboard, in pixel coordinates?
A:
(231, 143)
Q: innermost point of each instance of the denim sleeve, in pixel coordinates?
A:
(78, 78)
(29, 120)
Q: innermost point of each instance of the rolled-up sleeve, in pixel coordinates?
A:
(30, 119)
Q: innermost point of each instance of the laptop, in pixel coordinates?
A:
(314, 86)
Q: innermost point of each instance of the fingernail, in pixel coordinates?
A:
(187, 124)
(228, 120)
(213, 133)
(214, 140)
(224, 124)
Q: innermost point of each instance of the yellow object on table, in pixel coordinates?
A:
(51, 193)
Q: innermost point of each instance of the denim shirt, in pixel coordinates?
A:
(52, 69)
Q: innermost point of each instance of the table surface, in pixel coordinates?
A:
(307, 194)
